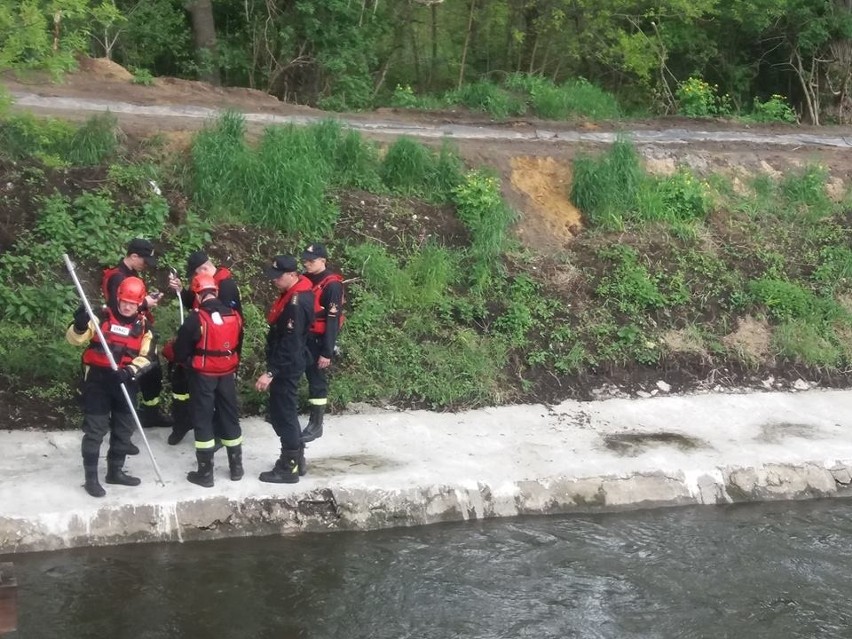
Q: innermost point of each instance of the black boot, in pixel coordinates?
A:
(303, 465)
(132, 449)
(181, 424)
(153, 417)
(314, 428)
(204, 475)
(286, 469)
(115, 472)
(92, 485)
(235, 462)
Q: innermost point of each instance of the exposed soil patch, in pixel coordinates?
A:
(397, 223)
(546, 183)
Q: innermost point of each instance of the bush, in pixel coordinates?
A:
(784, 300)
(143, 77)
(487, 96)
(775, 109)
(698, 99)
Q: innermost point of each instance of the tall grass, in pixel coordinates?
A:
(560, 101)
(219, 155)
(487, 96)
(606, 188)
(481, 208)
(94, 142)
(56, 142)
(409, 168)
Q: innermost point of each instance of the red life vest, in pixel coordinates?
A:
(216, 351)
(124, 340)
(301, 286)
(108, 273)
(221, 273)
(320, 312)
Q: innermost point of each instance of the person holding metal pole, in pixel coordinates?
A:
(140, 257)
(119, 349)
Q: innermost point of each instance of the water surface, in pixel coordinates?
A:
(774, 571)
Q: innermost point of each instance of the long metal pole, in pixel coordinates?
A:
(94, 319)
(180, 299)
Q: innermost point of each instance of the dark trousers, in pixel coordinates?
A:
(284, 411)
(317, 377)
(213, 403)
(179, 380)
(151, 383)
(105, 410)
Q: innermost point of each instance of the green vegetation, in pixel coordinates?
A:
(443, 316)
(556, 60)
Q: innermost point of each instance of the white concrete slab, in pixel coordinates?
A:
(383, 468)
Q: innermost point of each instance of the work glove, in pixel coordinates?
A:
(81, 319)
(125, 376)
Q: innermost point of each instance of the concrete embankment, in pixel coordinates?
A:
(377, 468)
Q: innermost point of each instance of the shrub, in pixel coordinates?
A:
(143, 77)
(697, 99)
(627, 284)
(487, 96)
(775, 109)
(784, 300)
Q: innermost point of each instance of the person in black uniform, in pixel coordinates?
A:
(198, 263)
(286, 354)
(105, 409)
(322, 335)
(140, 256)
(208, 345)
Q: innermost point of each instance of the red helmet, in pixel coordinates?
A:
(132, 289)
(201, 283)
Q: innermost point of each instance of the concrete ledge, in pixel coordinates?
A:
(386, 469)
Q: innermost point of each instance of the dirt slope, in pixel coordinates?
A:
(536, 174)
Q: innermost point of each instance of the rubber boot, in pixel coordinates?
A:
(314, 428)
(235, 462)
(92, 485)
(181, 424)
(286, 469)
(204, 475)
(115, 472)
(153, 417)
(303, 465)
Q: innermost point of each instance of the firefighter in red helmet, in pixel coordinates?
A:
(208, 344)
(105, 409)
(141, 256)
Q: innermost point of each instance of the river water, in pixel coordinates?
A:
(774, 570)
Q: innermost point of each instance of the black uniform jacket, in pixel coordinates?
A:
(286, 341)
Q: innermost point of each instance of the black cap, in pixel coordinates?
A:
(144, 249)
(194, 261)
(281, 264)
(314, 251)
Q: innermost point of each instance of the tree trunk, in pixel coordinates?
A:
(434, 62)
(466, 42)
(204, 36)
